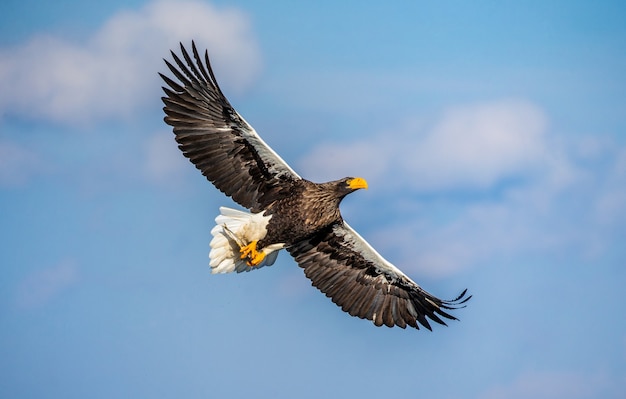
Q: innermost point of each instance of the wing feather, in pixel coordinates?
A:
(342, 265)
(216, 139)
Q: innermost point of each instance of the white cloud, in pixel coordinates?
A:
(474, 146)
(479, 145)
(114, 72)
(42, 285)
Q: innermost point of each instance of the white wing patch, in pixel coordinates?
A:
(369, 253)
(265, 151)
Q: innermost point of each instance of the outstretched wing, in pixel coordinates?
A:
(217, 140)
(342, 265)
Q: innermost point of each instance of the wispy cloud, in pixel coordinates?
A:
(43, 285)
(522, 188)
(473, 146)
(113, 73)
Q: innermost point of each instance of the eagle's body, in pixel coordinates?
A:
(307, 208)
(286, 211)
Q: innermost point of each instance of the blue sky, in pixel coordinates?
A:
(493, 136)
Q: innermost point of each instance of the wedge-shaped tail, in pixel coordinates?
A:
(235, 230)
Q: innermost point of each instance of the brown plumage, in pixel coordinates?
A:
(306, 209)
(294, 213)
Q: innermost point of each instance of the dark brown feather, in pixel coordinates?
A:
(223, 146)
(343, 266)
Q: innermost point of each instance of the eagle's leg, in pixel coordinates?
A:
(249, 251)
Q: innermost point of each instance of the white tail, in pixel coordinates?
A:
(235, 229)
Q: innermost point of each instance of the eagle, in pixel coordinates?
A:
(285, 210)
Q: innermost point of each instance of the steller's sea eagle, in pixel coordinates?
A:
(286, 211)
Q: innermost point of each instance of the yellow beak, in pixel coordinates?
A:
(357, 182)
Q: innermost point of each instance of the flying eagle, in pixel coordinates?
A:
(286, 211)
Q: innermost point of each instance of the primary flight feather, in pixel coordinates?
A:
(286, 211)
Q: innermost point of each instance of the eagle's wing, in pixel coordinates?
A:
(217, 140)
(342, 265)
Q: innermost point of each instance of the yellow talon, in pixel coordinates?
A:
(258, 258)
(249, 251)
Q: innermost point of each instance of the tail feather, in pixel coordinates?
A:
(246, 227)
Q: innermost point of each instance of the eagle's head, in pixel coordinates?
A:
(348, 185)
